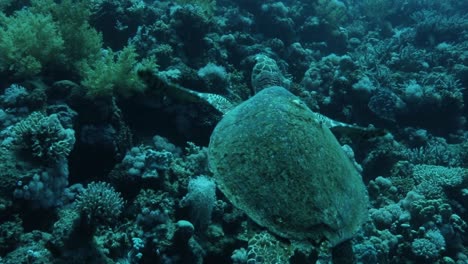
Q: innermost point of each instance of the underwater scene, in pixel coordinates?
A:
(233, 131)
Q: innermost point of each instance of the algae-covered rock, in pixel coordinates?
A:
(276, 161)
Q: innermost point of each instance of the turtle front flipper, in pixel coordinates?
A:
(349, 130)
(162, 86)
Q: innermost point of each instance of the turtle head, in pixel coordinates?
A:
(266, 73)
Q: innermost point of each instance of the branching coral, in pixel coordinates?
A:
(100, 203)
(44, 137)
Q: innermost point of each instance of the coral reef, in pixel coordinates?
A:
(107, 108)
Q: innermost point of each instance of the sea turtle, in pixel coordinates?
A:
(278, 161)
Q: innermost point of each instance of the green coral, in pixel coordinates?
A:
(82, 42)
(47, 34)
(115, 73)
(28, 42)
(50, 35)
